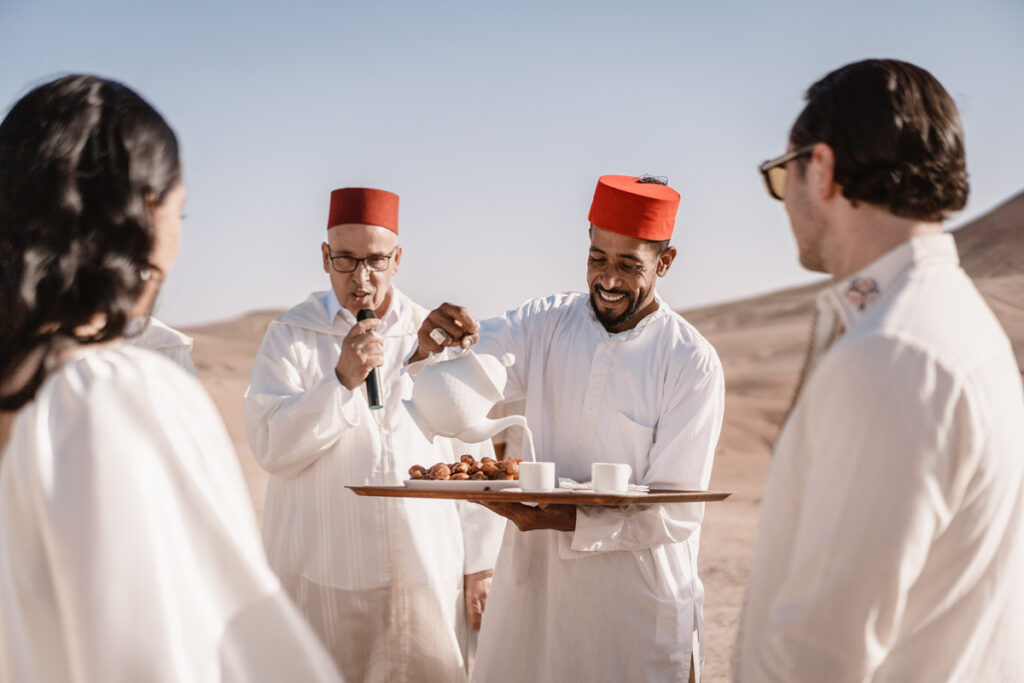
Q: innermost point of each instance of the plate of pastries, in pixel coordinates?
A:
(468, 474)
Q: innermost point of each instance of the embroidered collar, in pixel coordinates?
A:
(854, 297)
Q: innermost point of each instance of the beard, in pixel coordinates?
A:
(633, 305)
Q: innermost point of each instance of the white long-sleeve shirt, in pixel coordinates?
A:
(128, 546)
(890, 545)
(315, 437)
(618, 599)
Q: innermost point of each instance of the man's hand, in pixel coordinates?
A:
(362, 350)
(455, 326)
(558, 517)
(476, 588)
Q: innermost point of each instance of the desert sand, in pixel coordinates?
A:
(761, 342)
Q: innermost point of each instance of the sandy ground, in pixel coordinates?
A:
(761, 342)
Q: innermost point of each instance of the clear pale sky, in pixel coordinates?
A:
(493, 122)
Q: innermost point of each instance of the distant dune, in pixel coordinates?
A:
(761, 342)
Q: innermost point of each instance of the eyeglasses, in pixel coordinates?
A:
(774, 171)
(348, 264)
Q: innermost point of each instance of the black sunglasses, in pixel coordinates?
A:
(774, 171)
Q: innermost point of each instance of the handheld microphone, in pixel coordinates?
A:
(373, 379)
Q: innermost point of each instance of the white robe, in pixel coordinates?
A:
(379, 578)
(128, 546)
(891, 541)
(618, 599)
(165, 340)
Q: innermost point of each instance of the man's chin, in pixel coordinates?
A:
(608, 317)
(812, 262)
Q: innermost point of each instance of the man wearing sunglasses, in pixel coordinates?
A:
(382, 580)
(890, 545)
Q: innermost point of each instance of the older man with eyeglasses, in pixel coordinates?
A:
(393, 586)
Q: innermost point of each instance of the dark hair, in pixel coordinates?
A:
(896, 135)
(658, 246)
(80, 157)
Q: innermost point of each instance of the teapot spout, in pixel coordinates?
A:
(485, 429)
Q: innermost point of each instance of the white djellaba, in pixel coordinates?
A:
(380, 579)
(618, 599)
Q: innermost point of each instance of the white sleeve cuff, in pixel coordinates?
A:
(597, 528)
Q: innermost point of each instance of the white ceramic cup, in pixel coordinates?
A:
(537, 476)
(609, 477)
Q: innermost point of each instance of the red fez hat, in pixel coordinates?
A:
(625, 205)
(364, 205)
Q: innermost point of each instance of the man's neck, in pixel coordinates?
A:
(869, 234)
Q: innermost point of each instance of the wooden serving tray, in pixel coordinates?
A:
(566, 497)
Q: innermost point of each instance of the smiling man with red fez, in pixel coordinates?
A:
(381, 580)
(589, 593)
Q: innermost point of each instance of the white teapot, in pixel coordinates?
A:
(451, 398)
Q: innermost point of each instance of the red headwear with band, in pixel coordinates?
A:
(627, 206)
(364, 205)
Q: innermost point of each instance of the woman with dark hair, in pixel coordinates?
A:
(128, 546)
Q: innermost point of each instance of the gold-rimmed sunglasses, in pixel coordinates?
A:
(774, 171)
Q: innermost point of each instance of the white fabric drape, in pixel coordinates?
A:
(128, 545)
